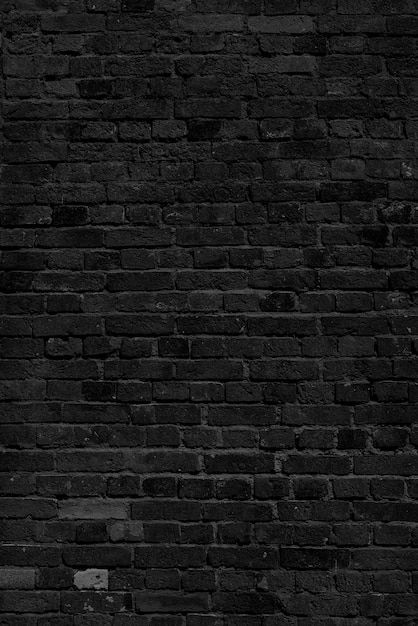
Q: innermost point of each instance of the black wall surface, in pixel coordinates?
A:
(209, 318)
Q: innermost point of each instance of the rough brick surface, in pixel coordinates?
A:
(209, 323)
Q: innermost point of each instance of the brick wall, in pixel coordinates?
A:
(209, 313)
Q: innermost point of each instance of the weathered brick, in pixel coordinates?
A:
(208, 284)
(91, 579)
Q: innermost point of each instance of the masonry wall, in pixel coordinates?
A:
(209, 313)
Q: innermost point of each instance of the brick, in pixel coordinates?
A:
(74, 22)
(313, 558)
(211, 23)
(90, 509)
(207, 326)
(75, 603)
(89, 557)
(30, 601)
(91, 579)
(292, 24)
(18, 578)
(148, 602)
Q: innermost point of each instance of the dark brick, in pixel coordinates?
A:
(207, 312)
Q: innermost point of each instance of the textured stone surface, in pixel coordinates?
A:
(208, 301)
(92, 579)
